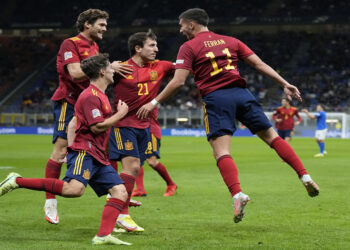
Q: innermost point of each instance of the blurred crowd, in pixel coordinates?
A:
(315, 62)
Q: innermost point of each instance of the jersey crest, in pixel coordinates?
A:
(86, 174)
(153, 75)
(128, 145)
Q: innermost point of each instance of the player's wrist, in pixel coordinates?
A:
(155, 102)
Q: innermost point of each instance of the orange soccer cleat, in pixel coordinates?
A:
(170, 190)
(138, 192)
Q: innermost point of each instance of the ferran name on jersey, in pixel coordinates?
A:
(86, 174)
(153, 75)
(128, 145)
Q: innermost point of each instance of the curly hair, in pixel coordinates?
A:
(90, 15)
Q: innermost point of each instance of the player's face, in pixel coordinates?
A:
(149, 50)
(98, 28)
(318, 108)
(108, 73)
(284, 103)
(186, 29)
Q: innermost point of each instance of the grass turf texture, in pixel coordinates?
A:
(279, 216)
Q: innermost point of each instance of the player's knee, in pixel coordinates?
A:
(152, 162)
(73, 189)
(119, 192)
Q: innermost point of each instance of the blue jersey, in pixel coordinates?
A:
(321, 120)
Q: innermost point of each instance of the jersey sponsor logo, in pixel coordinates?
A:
(68, 55)
(153, 75)
(86, 174)
(179, 61)
(96, 113)
(128, 145)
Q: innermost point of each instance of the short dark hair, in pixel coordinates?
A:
(90, 15)
(138, 39)
(321, 105)
(197, 15)
(91, 66)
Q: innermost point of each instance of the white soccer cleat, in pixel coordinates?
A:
(318, 155)
(9, 183)
(324, 152)
(51, 214)
(240, 200)
(311, 187)
(108, 240)
(127, 223)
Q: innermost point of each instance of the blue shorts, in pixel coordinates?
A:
(86, 169)
(223, 107)
(127, 141)
(63, 113)
(285, 133)
(153, 146)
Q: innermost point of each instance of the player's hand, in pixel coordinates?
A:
(292, 91)
(144, 111)
(304, 110)
(122, 108)
(122, 69)
(278, 120)
(297, 123)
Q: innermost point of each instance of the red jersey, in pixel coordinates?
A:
(287, 116)
(155, 127)
(213, 59)
(92, 107)
(72, 50)
(140, 88)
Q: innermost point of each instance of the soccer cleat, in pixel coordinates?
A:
(324, 152)
(311, 187)
(9, 183)
(129, 224)
(108, 240)
(134, 203)
(170, 190)
(240, 200)
(318, 155)
(138, 192)
(50, 209)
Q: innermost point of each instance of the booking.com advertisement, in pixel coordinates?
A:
(335, 133)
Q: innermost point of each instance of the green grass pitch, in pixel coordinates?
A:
(279, 216)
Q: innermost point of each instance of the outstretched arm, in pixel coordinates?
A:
(289, 89)
(178, 80)
(308, 114)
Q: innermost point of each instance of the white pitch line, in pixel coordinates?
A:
(6, 167)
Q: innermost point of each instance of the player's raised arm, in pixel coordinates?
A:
(178, 80)
(308, 114)
(289, 89)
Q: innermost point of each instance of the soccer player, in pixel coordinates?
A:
(213, 60)
(87, 161)
(91, 25)
(129, 138)
(284, 117)
(152, 156)
(321, 128)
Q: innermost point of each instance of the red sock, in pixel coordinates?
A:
(52, 170)
(139, 179)
(129, 182)
(50, 185)
(161, 169)
(229, 173)
(109, 216)
(286, 152)
(114, 164)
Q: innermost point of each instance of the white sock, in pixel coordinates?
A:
(306, 178)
